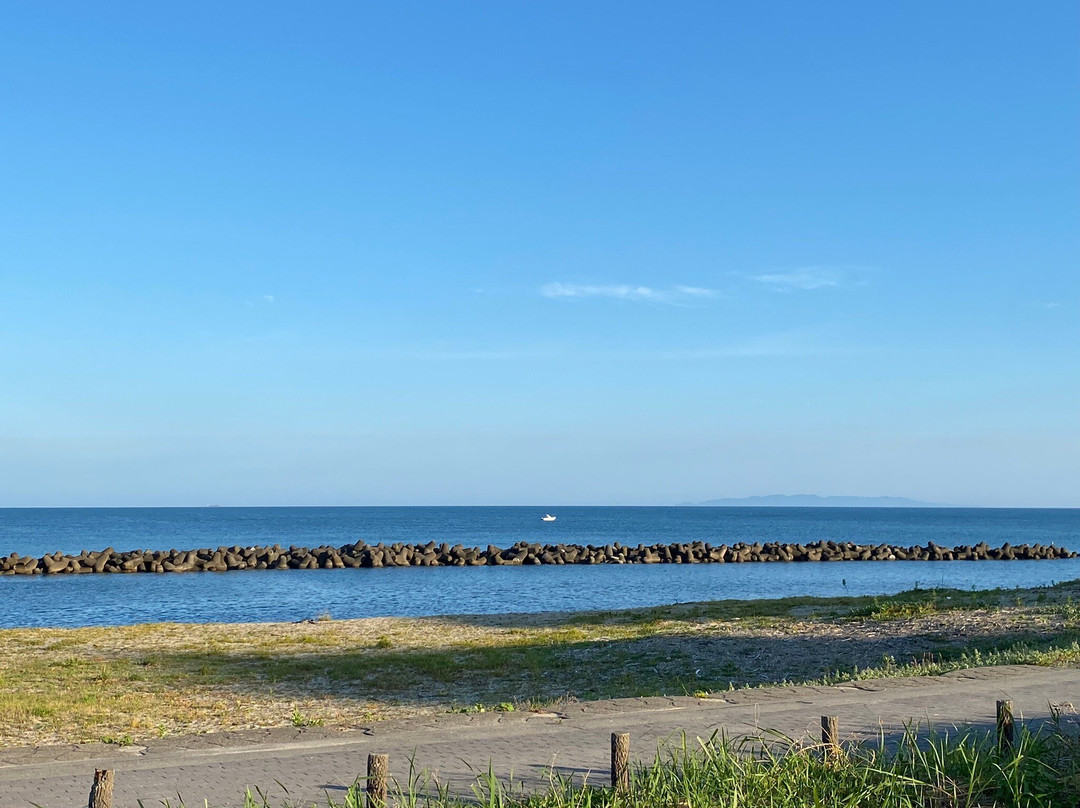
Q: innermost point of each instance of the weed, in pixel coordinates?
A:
(771, 771)
(301, 720)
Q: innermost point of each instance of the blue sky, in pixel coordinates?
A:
(517, 253)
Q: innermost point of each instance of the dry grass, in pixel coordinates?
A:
(127, 683)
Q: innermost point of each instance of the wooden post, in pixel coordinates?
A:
(830, 736)
(1005, 726)
(620, 761)
(377, 768)
(101, 791)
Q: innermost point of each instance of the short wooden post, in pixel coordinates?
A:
(101, 790)
(830, 736)
(377, 768)
(620, 761)
(1006, 727)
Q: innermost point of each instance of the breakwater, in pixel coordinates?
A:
(361, 554)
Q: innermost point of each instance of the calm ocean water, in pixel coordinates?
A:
(295, 594)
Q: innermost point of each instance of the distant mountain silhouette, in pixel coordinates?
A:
(815, 501)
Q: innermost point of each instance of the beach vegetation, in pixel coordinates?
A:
(91, 684)
(958, 769)
(301, 720)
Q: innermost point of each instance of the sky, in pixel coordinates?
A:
(538, 253)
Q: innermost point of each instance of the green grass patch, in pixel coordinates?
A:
(961, 770)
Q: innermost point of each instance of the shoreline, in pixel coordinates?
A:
(121, 684)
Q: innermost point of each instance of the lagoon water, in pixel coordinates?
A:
(298, 594)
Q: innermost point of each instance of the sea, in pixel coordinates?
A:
(294, 595)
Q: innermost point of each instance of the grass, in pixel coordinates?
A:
(127, 684)
(961, 770)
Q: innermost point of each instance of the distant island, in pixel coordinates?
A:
(815, 501)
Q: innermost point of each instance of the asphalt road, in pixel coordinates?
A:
(305, 765)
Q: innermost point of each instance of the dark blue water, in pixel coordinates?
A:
(296, 594)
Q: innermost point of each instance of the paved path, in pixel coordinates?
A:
(312, 763)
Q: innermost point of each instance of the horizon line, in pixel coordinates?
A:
(704, 505)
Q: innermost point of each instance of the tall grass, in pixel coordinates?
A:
(958, 770)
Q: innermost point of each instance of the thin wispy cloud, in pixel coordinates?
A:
(696, 291)
(804, 278)
(638, 294)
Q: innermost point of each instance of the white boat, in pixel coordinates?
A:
(547, 517)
